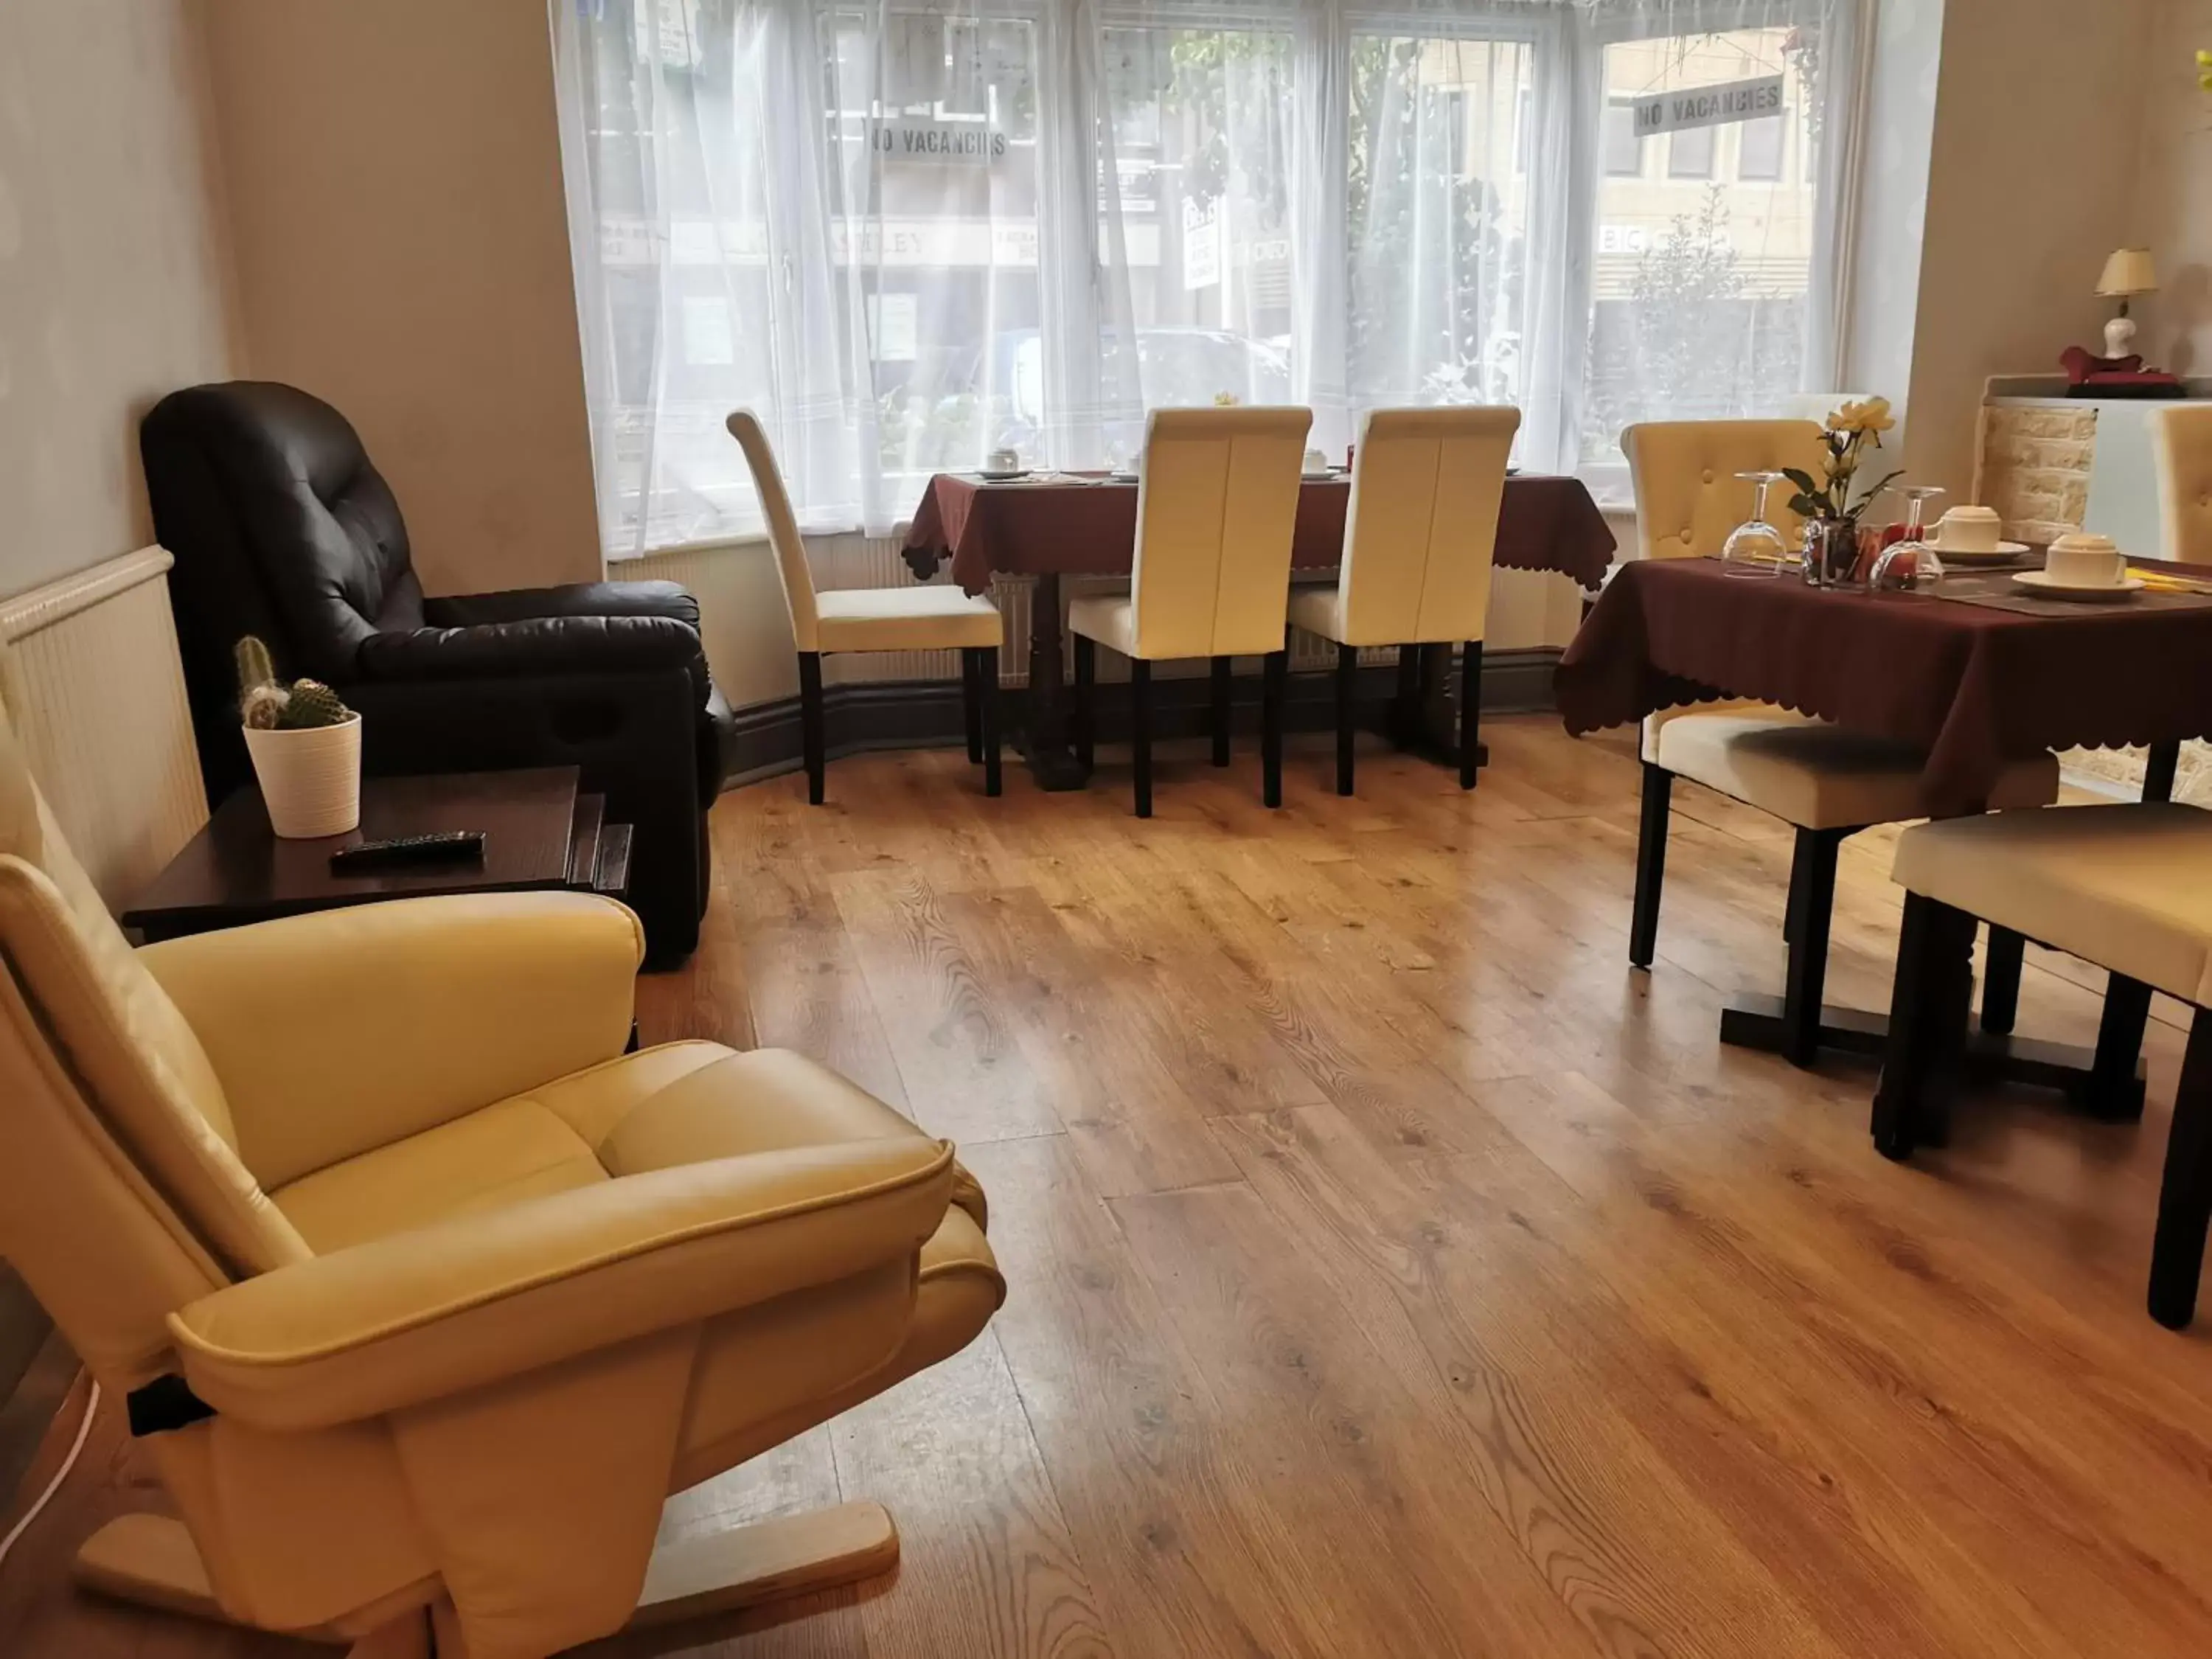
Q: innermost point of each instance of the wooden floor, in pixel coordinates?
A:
(1395, 1273)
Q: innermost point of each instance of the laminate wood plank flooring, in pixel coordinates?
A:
(1393, 1271)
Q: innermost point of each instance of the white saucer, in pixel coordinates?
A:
(2000, 554)
(1004, 478)
(1322, 476)
(1129, 476)
(2041, 581)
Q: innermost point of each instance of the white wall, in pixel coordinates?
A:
(2031, 159)
(402, 248)
(113, 286)
(2172, 196)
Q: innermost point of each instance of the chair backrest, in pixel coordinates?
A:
(281, 527)
(791, 566)
(1426, 488)
(122, 1195)
(2182, 439)
(1215, 513)
(1687, 495)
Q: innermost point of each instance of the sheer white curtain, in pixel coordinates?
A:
(910, 232)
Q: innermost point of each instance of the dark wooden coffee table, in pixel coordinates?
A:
(541, 833)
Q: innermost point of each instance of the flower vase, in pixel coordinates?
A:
(1831, 552)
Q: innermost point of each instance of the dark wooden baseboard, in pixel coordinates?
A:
(764, 739)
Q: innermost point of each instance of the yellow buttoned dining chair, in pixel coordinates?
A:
(916, 619)
(2181, 438)
(1216, 509)
(1826, 783)
(1426, 487)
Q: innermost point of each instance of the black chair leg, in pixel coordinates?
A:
(2185, 1195)
(1348, 687)
(1812, 903)
(1081, 716)
(811, 742)
(2001, 981)
(1651, 865)
(1140, 732)
(1470, 711)
(971, 710)
(1218, 711)
(1274, 674)
(2110, 1093)
(986, 716)
(1928, 1005)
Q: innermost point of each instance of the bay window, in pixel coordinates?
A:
(908, 232)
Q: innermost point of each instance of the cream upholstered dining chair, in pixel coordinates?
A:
(1426, 487)
(2181, 438)
(2127, 888)
(421, 1294)
(916, 619)
(1216, 508)
(1828, 784)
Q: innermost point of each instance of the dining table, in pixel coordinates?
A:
(1047, 525)
(1977, 671)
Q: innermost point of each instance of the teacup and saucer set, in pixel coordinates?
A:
(1972, 536)
(2082, 565)
(1002, 466)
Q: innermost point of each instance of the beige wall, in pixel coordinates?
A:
(2031, 164)
(401, 243)
(112, 284)
(2173, 190)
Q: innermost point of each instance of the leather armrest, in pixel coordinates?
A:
(302, 1018)
(542, 645)
(574, 599)
(479, 1298)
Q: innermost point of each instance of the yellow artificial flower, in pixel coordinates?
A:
(1870, 416)
(1224, 399)
(2203, 71)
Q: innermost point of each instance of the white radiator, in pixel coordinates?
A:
(95, 691)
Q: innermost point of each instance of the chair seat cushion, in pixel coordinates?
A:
(906, 619)
(1321, 610)
(680, 1103)
(1108, 618)
(2127, 887)
(1815, 775)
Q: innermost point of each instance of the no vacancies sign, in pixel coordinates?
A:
(1708, 106)
(956, 143)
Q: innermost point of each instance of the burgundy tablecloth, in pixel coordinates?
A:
(1976, 687)
(1078, 529)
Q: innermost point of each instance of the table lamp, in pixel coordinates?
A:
(2127, 273)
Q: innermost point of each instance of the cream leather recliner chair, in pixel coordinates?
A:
(1216, 513)
(422, 1293)
(1828, 783)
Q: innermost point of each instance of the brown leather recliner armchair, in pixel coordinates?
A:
(422, 1293)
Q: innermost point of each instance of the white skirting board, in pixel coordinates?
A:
(93, 686)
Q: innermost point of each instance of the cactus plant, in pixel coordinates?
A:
(266, 703)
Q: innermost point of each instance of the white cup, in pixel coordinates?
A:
(1003, 460)
(1315, 463)
(2081, 559)
(1968, 530)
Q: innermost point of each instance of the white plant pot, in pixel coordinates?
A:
(310, 778)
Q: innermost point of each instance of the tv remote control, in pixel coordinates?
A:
(403, 851)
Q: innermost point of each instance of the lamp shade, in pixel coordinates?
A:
(2127, 271)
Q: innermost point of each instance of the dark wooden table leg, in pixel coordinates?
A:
(1423, 715)
(1933, 977)
(1044, 739)
(2158, 768)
